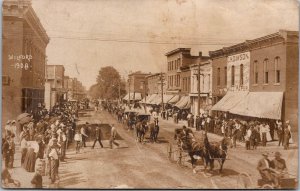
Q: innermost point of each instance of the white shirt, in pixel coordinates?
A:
(77, 137)
(23, 144)
(53, 153)
(267, 164)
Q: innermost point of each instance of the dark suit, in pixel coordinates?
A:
(97, 138)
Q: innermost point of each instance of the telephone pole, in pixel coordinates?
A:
(198, 112)
(162, 90)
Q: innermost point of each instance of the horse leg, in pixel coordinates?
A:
(193, 161)
(212, 161)
(221, 165)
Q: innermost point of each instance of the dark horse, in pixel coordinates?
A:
(154, 130)
(185, 140)
(218, 151)
(141, 129)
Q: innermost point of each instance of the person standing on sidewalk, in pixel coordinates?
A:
(78, 140)
(113, 135)
(279, 132)
(98, 137)
(54, 161)
(287, 135)
(83, 134)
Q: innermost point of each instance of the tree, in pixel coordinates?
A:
(108, 82)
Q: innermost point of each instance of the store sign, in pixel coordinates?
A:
(238, 72)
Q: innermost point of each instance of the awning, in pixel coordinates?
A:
(183, 103)
(149, 97)
(156, 100)
(230, 100)
(136, 96)
(167, 98)
(260, 104)
(174, 99)
(152, 97)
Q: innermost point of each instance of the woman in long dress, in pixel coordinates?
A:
(31, 155)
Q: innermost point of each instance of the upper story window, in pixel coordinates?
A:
(219, 76)
(255, 71)
(225, 75)
(277, 70)
(266, 71)
(232, 75)
(241, 74)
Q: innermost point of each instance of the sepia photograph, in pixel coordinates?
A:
(150, 94)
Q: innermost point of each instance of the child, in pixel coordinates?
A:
(37, 180)
(78, 139)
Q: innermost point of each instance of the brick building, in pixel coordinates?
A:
(262, 77)
(154, 83)
(205, 86)
(23, 59)
(137, 84)
(55, 79)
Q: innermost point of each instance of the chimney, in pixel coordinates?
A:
(200, 54)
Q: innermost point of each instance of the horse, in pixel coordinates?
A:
(141, 129)
(187, 142)
(154, 130)
(218, 151)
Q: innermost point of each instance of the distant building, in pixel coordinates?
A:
(154, 83)
(259, 77)
(205, 86)
(23, 59)
(55, 79)
(137, 84)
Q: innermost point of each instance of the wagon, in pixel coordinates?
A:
(244, 181)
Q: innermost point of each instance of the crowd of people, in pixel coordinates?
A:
(43, 139)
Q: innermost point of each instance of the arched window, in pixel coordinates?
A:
(232, 75)
(255, 72)
(241, 74)
(266, 71)
(277, 70)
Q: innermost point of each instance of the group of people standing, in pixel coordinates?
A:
(43, 141)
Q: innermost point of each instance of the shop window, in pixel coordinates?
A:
(241, 74)
(266, 71)
(232, 75)
(277, 70)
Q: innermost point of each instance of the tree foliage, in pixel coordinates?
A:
(108, 82)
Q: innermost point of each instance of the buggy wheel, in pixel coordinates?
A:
(180, 157)
(244, 181)
(170, 152)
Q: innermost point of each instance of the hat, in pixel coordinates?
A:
(277, 154)
(8, 122)
(13, 121)
(86, 123)
(265, 154)
(184, 127)
(288, 121)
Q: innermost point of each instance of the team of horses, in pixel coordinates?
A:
(207, 151)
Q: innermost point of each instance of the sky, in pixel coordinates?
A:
(134, 35)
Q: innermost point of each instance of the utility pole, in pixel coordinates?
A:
(145, 96)
(199, 86)
(129, 93)
(162, 91)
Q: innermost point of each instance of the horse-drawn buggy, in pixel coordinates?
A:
(129, 119)
(199, 150)
(287, 181)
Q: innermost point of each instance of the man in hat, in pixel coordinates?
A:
(113, 136)
(54, 160)
(286, 135)
(279, 166)
(84, 135)
(97, 137)
(263, 167)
